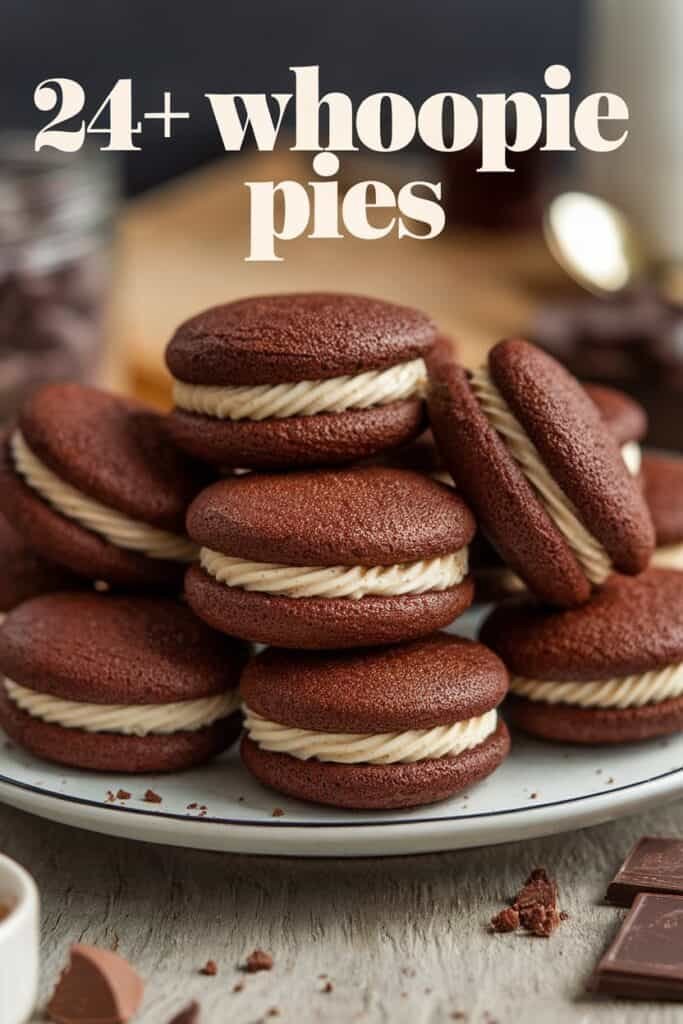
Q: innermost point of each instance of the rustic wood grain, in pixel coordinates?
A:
(403, 940)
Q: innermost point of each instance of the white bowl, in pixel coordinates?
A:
(19, 940)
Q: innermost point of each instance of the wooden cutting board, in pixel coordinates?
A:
(182, 248)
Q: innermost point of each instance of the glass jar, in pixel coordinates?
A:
(56, 217)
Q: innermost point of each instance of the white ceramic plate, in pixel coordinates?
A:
(542, 788)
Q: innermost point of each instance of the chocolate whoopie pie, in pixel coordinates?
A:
(532, 456)
(94, 483)
(113, 683)
(282, 381)
(329, 558)
(391, 727)
(626, 419)
(610, 671)
(24, 574)
(663, 485)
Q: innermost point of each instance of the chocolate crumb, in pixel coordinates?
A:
(564, 916)
(151, 797)
(258, 961)
(238, 986)
(458, 1015)
(273, 1012)
(327, 987)
(533, 796)
(190, 1015)
(210, 968)
(506, 921)
(191, 807)
(110, 797)
(610, 781)
(277, 812)
(123, 794)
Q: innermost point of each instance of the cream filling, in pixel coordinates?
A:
(129, 720)
(632, 455)
(591, 555)
(303, 398)
(114, 526)
(669, 556)
(378, 748)
(627, 692)
(336, 580)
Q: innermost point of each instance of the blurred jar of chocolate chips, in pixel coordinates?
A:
(56, 216)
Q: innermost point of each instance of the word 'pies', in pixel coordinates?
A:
(393, 727)
(283, 381)
(333, 558)
(125, 684)
(94, 483)
(610, 671)
(532, 455)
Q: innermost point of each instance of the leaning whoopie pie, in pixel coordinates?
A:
(530, 453)
(390, 727)
(626, 419)
(23, 574)
(610, 671)
(663, 484)
(113, 683)
(281, 381)
(93, 483)
(329, 558)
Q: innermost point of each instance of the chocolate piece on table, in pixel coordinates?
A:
(97, 985)
(645, 960)
(653, 865)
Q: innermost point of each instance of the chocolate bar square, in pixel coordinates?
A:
(653, 865)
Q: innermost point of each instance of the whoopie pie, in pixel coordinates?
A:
(93, 482)
(281, 381)
(530, 453)
(114, 683)
(24, 574)
(663, 485)
(329, 558)
(381, 728)
(610, 671)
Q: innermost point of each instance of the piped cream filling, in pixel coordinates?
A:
(353, 582)
(632, 455)
(303, 398)
(669, 556)
(114, 526)
(128, 720)
(626, 692)
(591, 555)
(378, 748)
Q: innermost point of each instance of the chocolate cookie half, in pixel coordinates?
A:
(394, 727)
(531, 454)
(23, 573)
(94, 483)
(283, 381)
(333, 558)
(121, 684)
(610, 671)
(663, 484)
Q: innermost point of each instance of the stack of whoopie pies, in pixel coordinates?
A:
(293, 499)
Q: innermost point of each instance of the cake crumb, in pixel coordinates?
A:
(277, 812)
(259, 960)
(327, 987)
(151, 797)
(123, 794)
(210, 968)
(506, 921)
(238, 986)
(110, 797)
(534, 908)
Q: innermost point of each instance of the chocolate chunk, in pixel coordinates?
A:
(653, 865)
(645, 960)
(97, 985)
(258, 961)
(190, 1015)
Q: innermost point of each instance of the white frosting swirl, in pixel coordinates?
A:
(669, 556)
(129, 720)
(336, 580)
(626, 692)
(303, 398)
(591, 555)
(371, 748)
(114, 526)
(632, 455)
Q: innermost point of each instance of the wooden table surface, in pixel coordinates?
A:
(403, 940)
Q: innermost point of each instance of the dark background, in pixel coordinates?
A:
(415, 47)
